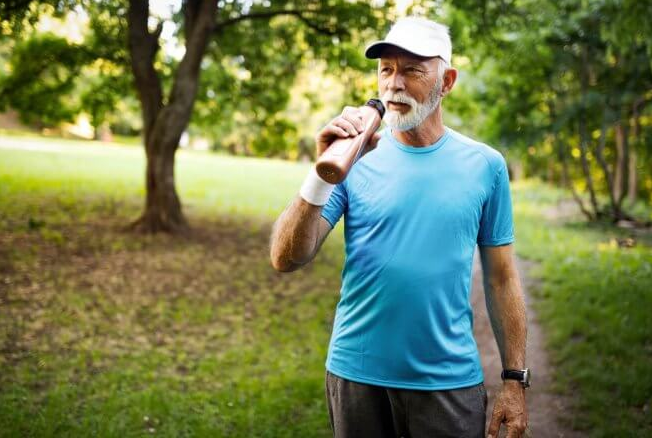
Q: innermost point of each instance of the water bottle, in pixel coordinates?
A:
(336, 161)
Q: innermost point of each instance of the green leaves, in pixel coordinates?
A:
(542, 70)
(43, 70)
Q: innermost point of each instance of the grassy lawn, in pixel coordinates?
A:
(105, 333)
(109, 334)
(594, 302)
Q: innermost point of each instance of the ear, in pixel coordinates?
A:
(450, 76)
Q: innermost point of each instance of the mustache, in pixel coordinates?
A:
(399, 97)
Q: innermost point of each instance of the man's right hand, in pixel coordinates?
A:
(348, 124)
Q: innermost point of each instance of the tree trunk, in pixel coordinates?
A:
(569, 181)
(162, 205)
(620, 173)
(599, 154)
(561, 155)
(636, 137)
(583, 134)
(586, 168)
(632, 183)
(163, 125)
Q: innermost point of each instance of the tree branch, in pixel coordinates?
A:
(174, 118)
(298, 13)
(143, 46)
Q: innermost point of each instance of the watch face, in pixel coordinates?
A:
(526, 377)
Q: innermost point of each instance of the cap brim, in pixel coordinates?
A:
(374, 50)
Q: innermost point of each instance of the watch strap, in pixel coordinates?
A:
(513, 375)
(518, 375)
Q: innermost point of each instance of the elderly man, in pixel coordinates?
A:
(402, 361)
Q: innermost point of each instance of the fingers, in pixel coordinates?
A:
(513, 432)
(516, 428)
(354, 116)
(345, 125)
(334, 131)
(348, 124)
(494, 426)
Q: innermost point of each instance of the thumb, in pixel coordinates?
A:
(372, 143)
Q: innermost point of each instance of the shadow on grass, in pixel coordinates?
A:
(110, 333)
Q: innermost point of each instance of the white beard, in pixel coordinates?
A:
(418, 111)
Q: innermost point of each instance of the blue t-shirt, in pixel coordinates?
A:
(412, 219)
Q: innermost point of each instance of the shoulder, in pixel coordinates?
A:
(494, 158)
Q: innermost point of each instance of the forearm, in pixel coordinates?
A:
(295, 235)
(506, 308)
(298, 232)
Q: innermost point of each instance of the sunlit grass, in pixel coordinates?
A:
(595, 299)
(105, 333)
(109, 334)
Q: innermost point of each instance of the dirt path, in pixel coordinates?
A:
(545, 409)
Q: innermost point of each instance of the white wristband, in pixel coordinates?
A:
(315, 190)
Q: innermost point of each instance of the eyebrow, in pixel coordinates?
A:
(416, 64)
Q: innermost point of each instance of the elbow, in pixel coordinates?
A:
(284, 259)
(281, 262)
(281, 265)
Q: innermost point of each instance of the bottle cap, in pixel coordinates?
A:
(375, 103)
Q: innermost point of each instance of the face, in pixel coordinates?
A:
(409, 86)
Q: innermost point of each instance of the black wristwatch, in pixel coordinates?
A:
(522, 376)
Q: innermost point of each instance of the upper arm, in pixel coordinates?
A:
(336, 205)
(496, 223)
(323, 230)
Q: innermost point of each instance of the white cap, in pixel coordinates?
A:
(416, 35)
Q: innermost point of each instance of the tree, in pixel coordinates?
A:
(243, 32)
(575, 78)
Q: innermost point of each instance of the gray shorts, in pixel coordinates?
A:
(359, 410)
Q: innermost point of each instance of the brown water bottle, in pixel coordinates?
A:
(336, 161)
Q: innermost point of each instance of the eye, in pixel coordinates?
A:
(385, 70)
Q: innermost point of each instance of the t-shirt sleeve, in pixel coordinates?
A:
(336, 205)
(496, 223)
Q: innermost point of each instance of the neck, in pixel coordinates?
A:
(427, 133)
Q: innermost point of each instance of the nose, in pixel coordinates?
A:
(396, 82)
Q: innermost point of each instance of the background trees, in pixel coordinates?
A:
(253, 50)
(568, 85)
(562, 87)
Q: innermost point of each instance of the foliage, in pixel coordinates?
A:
(247, 72)
(44, 69)
(558, 82)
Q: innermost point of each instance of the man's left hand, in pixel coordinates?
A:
(509, 408)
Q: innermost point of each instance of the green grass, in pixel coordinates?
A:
(110, 334)
(595, 303)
